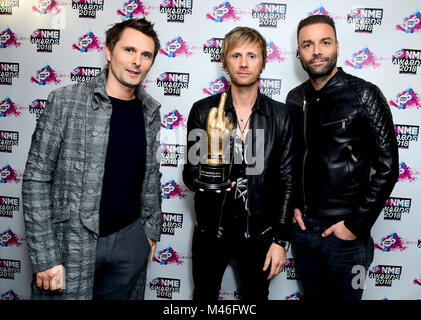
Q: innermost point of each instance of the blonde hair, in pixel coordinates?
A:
(240, 35)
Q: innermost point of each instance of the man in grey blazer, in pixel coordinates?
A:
(91, 187)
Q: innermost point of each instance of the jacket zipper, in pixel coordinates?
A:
(305, 152)
(335, 122)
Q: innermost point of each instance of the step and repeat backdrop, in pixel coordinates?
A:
(46, 44)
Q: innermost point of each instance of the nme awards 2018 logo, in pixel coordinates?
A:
(385, 274)
(165, 287)
(8, 71)
(406, 134)
(37, 107)
(8, 38)
(173, 82)
(411, 24)
(214, 47)
(223, 12)
(406, 99)
(8, 206)
(168, 256)
(170, 222)
(8, 268)
(173, 155)
(45, 39)
(395, 207)
(88, 42)
(132, 8)
(365, 18)
(391, 242)
(175, 48)
(45, 75)
(289, 269)
(176, 9)
(84, 74)
(172, 189)
(8, 108)
(88, 8)
(47, 7)
(173, 120)
(8, 140)
(269, 13)
(6, 6)
(9, 175)
(362, 58)
(408, 60)
(270, 87)
(217, 86)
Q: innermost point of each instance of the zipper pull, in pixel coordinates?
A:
(304, 104)
(343, 123)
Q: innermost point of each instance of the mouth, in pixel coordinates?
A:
(133, 73)
(318, 61)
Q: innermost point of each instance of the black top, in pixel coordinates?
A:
(124, 167)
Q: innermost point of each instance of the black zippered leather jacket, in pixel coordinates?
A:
(270, 193)
(348, 151)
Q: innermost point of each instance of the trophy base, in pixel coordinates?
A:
(213, 186)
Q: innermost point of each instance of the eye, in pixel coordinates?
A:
(147, 55)
(252, 56)
(129, 50)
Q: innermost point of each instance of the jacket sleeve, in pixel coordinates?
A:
(152, 196)
(282, 228)
(194, 154)
(37, 184)
(384, 162)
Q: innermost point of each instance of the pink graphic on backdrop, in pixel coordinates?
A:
(406, 99)
(411, 23)
(8, 38)
(294, 296)
(406, 173)
(88, 42)
(392, 242)
(176, 47)
(224, 12)
(9, 108)
(45, 75)
(47, 6)
(418, 281)
(171, 190)
(363, 58)
(319, 10)
(274, 53)
(132, 8)
(9, 296)
(8, 239)
(9, 175)
(168, 256)
(173, 120)
(217, 86)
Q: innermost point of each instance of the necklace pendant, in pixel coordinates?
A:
(241, 119)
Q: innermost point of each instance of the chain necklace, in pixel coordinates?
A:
(245, 126)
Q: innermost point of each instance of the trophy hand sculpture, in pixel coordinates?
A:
(214, 174)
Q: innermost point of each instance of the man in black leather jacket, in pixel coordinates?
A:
(251, 221)
(348, 167)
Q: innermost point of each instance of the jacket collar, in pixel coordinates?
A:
(337, 77)
(100, 95)
(260, 105)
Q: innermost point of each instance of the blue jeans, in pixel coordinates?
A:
(324, 265)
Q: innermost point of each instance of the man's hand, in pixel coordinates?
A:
(298, 218)
(51, 279)
(276, 257)
(340, 231)
(152, 243)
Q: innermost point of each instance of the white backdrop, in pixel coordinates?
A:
(46, 44)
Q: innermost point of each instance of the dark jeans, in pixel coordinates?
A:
(210, 257)
(121, 259)
(324, 265)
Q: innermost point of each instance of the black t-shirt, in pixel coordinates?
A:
(124, 167)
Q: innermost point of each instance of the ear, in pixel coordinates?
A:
(107, 53)
(297, 53)
(337, 48)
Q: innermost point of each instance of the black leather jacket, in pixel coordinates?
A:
(270, 192)
(348, 151)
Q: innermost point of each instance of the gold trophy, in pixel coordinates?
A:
(214, 174)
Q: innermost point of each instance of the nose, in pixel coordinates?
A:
(316, 49)
(243, 62)
(137, 60)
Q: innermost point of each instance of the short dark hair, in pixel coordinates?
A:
(315, 19)
(240, 35)
(113, 34)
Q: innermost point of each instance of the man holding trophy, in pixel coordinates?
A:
(240, 158)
